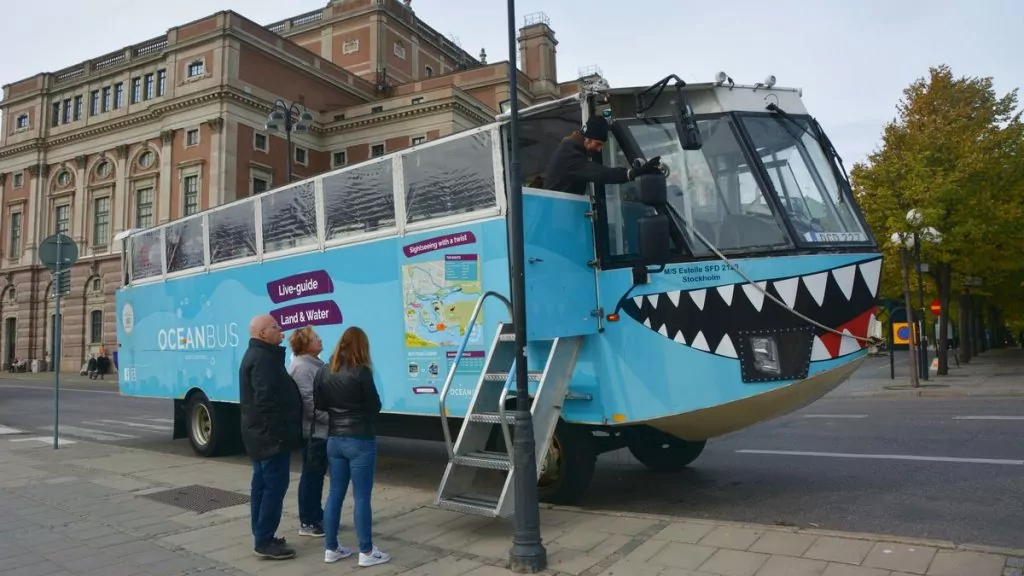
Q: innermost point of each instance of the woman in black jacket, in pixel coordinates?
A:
(346, 391)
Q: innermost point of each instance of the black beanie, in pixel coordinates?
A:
(596, 129)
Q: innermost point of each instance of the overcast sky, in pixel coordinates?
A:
(851, 57)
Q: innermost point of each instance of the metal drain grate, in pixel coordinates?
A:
(198, 498)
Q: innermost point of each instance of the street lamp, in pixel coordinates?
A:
(280, 119)
(904, 241)
(527, 554)
(913, 240)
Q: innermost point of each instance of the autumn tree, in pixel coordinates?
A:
(953, 153)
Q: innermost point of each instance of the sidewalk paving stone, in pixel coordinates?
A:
(84, 513)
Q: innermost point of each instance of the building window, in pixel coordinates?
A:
(428, 71)
(77, 113)
(136, 90)
(417, 100)
(400, 49)
(192, 137)
(62, 219)
(103, 169)
(55, 114)
(376, 150)
(161, 82)
(15, 247)
(196, 68)
(144, 208)
(376, 110)
(19, 179)
(190, 185)
(350, 46)
(106, 99)
(338, 159)
(96, 326)
(97, 285)
(146, 160)
(259, 186)
(418, 140)
(259, 142)
(94, 102)
(119, 95)
(149, 87)
(66, 119)
(21, 122)
(301, 156)
(64, 178)
(100, 221)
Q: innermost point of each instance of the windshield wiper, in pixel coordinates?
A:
(826, 144)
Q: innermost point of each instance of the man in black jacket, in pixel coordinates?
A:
(271, 408)
(571, 167)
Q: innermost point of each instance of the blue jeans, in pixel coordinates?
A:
(311, 493)
(356, 460)
(269, 485)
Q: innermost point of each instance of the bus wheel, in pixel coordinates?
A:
(566, 472)
(662, 452)
(206, 426)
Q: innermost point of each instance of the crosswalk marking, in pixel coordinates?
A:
(44, 440)
(4, 431)
(144, 419)
(100, 435)
(129, 424)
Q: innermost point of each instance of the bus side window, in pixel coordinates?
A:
(540, 136)
(289, 217)
(184, 245)
(146, 261)
(452, 177)
(233, 232)
(359, 200)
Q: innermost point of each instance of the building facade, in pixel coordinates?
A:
(176, 125)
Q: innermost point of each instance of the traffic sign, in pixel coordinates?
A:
(62, 282)
(58, 246)
(936, 307)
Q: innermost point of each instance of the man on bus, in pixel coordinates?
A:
(572, 166)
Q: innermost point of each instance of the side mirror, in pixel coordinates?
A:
(653, 190)
(654, 238)
(686, 124)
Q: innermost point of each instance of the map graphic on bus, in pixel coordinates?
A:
(439, 296)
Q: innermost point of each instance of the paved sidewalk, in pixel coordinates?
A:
(87, 510)
(995, 373)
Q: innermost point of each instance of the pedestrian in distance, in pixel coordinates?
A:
(306, 348)
(271, 408)
(345, 388)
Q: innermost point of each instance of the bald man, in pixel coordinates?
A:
(271, 407)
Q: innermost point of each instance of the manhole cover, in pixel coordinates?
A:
(198, 499)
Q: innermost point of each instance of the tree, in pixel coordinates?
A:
(953, 153)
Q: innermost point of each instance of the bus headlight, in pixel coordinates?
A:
(766, 354)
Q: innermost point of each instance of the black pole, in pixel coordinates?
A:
(527, 554)
(288, 141)
(922, 340)
(892, 347)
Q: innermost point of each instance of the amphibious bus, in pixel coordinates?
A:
(736, 286)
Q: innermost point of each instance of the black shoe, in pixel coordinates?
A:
(276, 550)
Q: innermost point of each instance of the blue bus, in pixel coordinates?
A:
(736, 286)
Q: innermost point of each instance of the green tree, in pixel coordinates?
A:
(953, 153)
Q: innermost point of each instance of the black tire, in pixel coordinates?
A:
(662, 452)
(575, 461)
(209, 426)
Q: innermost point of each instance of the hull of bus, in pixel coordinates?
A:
(664, 362)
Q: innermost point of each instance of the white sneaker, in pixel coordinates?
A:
(373, 558)
(332, 556)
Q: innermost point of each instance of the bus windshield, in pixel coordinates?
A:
(804, 179)
(713, 189)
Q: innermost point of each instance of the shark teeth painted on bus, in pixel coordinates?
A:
(716, 319)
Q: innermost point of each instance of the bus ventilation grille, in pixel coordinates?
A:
(198, 498)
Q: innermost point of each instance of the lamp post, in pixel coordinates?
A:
(527, 554)
(280, 120)
(902, 240)
(914, 220)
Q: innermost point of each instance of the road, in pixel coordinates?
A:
(924, 467)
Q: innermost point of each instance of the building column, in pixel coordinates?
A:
(80, 226)
(121, 198)
(36, 213)
(215, 188)
(166, 169)
(327, 43)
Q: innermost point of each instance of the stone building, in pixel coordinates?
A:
(176, 124)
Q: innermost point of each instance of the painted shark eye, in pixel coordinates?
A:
(713, 319)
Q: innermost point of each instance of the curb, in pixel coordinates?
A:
(934, 393)
(866, 536)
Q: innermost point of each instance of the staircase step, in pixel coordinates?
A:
(503, 376)
(485, 459)
(492, 417)
(479, 505)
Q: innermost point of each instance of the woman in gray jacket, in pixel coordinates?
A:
(306, 347)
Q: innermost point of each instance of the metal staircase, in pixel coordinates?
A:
(469, 455)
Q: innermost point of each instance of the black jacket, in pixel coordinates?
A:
(570, 170)
(350, 399)
(271, 405)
